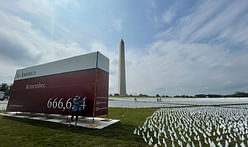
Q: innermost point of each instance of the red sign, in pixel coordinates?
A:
(51, 87)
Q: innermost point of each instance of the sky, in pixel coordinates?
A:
(172, 47)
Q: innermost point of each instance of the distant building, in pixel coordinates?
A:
(122, 72)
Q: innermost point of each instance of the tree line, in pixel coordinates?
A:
(236, 94)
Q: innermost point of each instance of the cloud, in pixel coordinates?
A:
(112, 54)
(222, 21)
(167, 17)
(152, 3)
(13, 50)
(173, 67)
(179, 68)
(204, 52)
(209, 21)
(32, 8)
(14, 46)
(201, 51)
(22, 45)
(193, 56)
(7, 71)
(237, 33)
(117, 24)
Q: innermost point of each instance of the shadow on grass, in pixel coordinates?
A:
(118, 131)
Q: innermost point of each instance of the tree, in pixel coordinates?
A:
(116, 94)
(200, 96)
(143, 95)
(6, 88)
(240, 94)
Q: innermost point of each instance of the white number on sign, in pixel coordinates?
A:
(58, 103)
(68, 104)
(49, 103)
(55, 103)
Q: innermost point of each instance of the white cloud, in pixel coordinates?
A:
(40, 8)
(22, 45)
(187, 25)
(211, 21)
(174, 67)
(167, 17)
(237, 33)
(178, 68)
(112, 54)
(117, 24)
(152, 3)
(205, 51)
(7, 71)
(189, 57)
(225, 19)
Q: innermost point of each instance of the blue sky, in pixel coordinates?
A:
(172, 47)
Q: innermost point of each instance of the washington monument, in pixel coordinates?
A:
(122, 72)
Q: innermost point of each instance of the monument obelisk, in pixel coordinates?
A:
(122, 72)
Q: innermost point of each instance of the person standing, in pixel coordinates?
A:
(78, 106)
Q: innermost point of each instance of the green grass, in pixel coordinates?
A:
(24, 132)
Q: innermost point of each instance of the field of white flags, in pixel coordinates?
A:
(125, 102)
(196, 127)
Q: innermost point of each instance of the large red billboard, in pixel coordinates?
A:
(50, 88)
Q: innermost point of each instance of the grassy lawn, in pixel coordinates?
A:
(24, 132)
